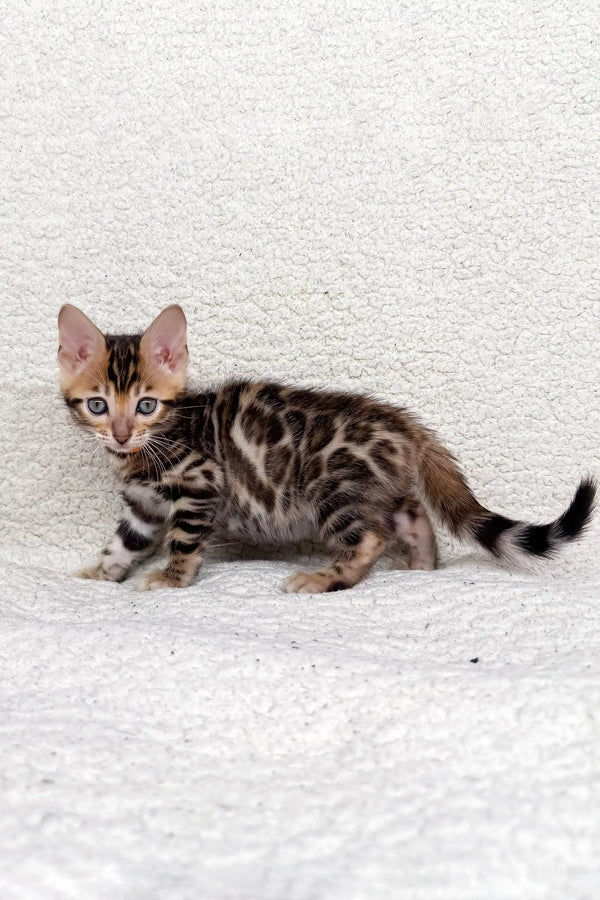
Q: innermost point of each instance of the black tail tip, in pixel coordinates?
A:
(576, 518)
(542, 540)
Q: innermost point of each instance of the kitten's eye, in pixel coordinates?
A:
(146, 406)
(97, 406)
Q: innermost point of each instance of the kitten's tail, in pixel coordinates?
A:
(450, 497)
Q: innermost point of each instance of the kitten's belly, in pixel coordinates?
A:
(265, 528)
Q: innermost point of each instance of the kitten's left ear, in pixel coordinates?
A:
(165, 341)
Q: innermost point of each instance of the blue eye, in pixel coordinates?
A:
(97, 406)
(146, 406)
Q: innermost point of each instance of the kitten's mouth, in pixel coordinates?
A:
(125, 451)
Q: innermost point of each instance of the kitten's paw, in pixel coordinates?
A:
(157, 579)
(100, 572)
(312, 583)
(93, 571)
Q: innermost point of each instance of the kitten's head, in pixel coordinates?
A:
(121, 387)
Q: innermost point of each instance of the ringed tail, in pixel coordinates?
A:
(451, 499)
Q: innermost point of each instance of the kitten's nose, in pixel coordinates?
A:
(121, 431)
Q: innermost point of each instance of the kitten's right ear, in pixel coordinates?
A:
(79, 339)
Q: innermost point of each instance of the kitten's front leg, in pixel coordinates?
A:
(191, 526)
(143, 520)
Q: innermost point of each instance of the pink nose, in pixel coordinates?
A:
(121, 431)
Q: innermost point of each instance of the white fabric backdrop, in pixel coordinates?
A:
(397, 197)
(400, 197)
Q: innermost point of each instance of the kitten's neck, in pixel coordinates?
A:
(131, 464)
(121, 462)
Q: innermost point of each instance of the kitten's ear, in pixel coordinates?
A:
(79, 339)
(165, 341)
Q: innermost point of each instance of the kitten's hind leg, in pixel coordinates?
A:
(351, 565)
(414, 529)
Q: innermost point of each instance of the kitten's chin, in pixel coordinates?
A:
(124, 451)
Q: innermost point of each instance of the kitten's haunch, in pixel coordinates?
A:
(268, 462)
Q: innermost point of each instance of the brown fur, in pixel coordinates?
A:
(266, 462)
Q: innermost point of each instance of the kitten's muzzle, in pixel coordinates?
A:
(122, 429)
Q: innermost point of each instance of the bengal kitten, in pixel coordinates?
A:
(265, 462)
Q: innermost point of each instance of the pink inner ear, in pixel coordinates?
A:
(79, 338)
(165, 340)
(76, 357)
(168, 356)
(163, 356)
(85, 351)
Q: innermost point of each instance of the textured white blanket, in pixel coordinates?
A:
(424, 735)
(394, 197)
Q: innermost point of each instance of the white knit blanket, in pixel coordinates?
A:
(396, 197)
